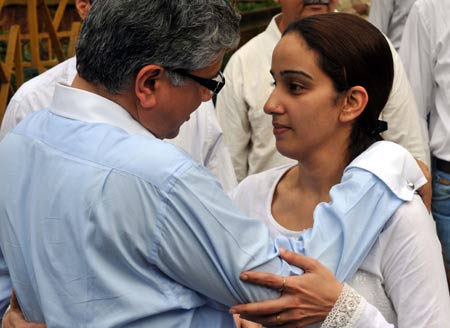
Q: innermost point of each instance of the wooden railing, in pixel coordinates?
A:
(43, 29)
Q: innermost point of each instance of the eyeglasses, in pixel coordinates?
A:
(214, 84)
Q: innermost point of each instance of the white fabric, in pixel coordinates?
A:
(248, 130)
(425, 52)
(201, 137)
(402, 276)
(390, 17)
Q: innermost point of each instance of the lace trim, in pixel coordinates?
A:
(346, 311)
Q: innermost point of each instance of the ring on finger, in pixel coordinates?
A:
(281, 289)
(278, 318)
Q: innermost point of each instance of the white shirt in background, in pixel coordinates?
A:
(390, 17)
(425, 52)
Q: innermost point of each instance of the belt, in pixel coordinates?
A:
(442, 165)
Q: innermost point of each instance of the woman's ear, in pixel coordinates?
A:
(146, 85)
(355, 102)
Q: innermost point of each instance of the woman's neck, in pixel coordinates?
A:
(304, 186)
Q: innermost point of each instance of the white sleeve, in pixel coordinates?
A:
(351, 310)
(371, 318)
(413, 268)
(232, 113)
(218, 159)
(416, 54)
(13, 115)
(402, 115)
(380, 14)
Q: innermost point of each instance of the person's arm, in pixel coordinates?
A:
(380, 14)
(413, 269)
(401, 113)
(208, 225)
(13, 115)
(232, 113)
(217, 156)
(416, 54)
(315, 296)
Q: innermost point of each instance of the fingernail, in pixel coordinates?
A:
(244, 276)
(232, 311)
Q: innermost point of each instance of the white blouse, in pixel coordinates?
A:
(402, 276)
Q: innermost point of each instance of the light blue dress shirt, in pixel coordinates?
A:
(103, 225)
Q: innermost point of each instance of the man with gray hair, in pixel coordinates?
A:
(102, 224)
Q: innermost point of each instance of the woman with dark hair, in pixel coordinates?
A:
(332, 76)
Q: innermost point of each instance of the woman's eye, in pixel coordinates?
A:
(295, 87)
(273, 83)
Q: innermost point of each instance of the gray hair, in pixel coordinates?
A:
(119, 37)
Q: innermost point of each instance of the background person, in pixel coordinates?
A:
(390, 17)
(425, 51)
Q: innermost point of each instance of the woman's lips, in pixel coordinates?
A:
(279, 129)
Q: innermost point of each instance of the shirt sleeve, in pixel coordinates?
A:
(218, 159)
(416, 53)
(381, 13)
(371, 318)
(351, 310)
(346, 228)
(13, 115)
(199, 221)
(401, 113)
(232, 113)
(413, 268)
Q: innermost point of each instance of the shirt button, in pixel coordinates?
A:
(411, 185)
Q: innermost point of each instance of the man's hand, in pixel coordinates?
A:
(14, 317)
(305, 299)
(425, 191)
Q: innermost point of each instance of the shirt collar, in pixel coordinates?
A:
(89, 107)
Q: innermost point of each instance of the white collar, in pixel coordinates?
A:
(394, 165)
(89, 107)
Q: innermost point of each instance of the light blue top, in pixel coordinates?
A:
(103, 225)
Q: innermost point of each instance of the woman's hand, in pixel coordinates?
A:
(305, 299)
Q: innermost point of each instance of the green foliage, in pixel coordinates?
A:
(253, 5)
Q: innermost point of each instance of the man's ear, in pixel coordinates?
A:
(146, 83)
(355, 101)
(83, 7)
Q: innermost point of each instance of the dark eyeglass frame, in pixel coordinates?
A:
(210, 84)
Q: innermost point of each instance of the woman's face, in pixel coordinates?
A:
(304, 105)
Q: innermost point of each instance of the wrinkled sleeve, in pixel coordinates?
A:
(218, 159)
(13, 115)
(401, 113)
(200, 222)
(204, 242)
(416, 54)
(232, 113)
(381, 13)
(345, 229)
